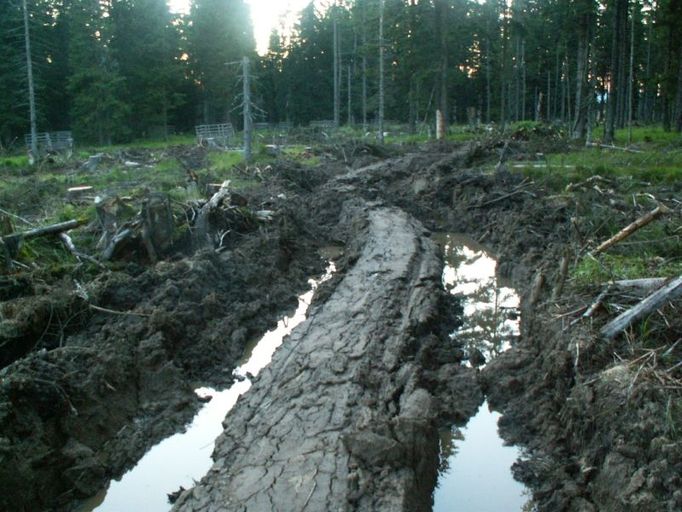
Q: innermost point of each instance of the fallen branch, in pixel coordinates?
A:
(114, 312)
(651, 303)
(610, 146)
(593, 307)
(52, 229)
(71, 247)
(631, 228)
(589, 181)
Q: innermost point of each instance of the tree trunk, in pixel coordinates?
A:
(381, 71)
(678, 96)
(523, 79)
(337, 78)
(441, 12)
(31, 91)
(364, 68)
(584, 31)
(488, 88)
(619, 15)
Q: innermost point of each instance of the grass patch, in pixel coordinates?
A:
(606, 267)
(643, 135)
(14, 162)
(654, 166)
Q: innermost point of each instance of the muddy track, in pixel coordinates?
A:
(345, 418)
(340, 420)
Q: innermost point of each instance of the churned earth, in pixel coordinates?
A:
(346, 416)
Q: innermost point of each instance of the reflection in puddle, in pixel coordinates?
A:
(491, 310)
(474, 469)
(181, 459)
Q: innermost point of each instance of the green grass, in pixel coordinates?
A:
(643, 135)
(652, 165)
(14, 162)
(606, 267)
(172, 140)
(224, 161)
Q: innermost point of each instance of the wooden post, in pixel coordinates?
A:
(31, 90)
(248, 128)
(440, 125)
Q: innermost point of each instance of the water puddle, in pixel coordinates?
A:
(491, 308)
(474, 474)
(185, 457)
(474, 471)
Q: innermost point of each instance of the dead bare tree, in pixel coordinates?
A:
(31, 89)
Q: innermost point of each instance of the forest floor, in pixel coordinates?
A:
(102, 347)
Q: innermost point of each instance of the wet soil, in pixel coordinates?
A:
(349, 411)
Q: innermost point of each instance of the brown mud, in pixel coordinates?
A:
(347, 414)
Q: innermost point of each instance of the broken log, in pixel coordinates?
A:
(52, 229)
(645, 285)
(651, 303)
(631, 228)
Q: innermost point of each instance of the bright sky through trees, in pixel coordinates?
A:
(267, 15)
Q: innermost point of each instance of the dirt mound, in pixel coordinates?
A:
(104, 368)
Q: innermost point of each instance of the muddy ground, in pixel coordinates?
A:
(92, 389)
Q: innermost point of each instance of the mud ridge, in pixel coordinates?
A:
(341, 416)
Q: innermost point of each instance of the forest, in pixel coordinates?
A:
(118, 70)
(121, 70)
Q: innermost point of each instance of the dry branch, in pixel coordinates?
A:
(610, 146)
(651, 303)
(631, 228)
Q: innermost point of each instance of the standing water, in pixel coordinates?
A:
(474, 472)
(181, 459)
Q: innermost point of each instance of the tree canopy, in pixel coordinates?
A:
(112, 70)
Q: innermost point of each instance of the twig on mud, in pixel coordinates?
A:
(20, 264)
(114, 312)
(610, 146)
(310, 494)
(593, 307)
(672, 347)
(71, 247)
(518, 190)
(589, 181)
(25, 221)
(570, 313)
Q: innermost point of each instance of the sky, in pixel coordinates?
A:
(266, 14)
